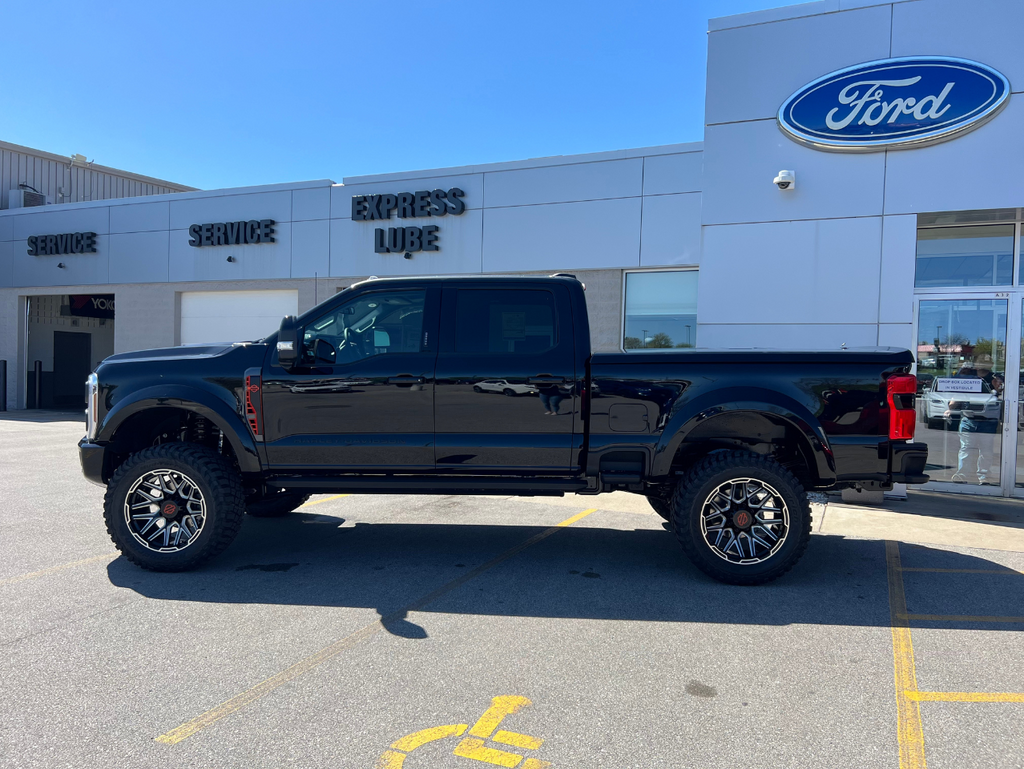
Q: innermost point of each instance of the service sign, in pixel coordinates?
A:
(894, 104)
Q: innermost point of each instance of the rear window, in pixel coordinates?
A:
(504, 321)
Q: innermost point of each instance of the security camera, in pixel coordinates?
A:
(786, 180)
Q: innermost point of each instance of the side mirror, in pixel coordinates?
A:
(288, 343)
(381, 338)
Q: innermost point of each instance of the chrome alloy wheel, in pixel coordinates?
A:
(744, 521)
(165, 511)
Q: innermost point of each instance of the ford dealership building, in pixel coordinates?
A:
(858, 184)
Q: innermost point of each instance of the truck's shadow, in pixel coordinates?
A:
(579, 572)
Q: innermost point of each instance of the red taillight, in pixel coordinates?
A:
(902, 390)
(253, 404)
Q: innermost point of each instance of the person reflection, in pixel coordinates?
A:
(550, 397)
(979, 421)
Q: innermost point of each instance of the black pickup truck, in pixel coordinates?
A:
(487, 385)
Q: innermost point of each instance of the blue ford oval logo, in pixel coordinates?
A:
(894, 104)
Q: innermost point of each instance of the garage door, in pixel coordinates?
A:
(234, 316)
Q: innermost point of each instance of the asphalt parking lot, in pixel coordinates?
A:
(401, 631)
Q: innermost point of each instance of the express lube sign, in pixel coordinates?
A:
(894, 104)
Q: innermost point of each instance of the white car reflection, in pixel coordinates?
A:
(944, 409)
(504, 387)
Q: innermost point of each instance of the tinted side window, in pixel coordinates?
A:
(505, 321)
(372, 324)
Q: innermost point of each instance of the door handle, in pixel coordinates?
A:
(546, 379)
(406, 379)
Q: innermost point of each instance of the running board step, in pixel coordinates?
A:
(535, 487)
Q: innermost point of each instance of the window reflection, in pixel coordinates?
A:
(660, 310)
(961, 369)
(965, 256)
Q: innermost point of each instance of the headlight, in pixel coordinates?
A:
(92, 403)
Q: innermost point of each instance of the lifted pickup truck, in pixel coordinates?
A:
(388, 387)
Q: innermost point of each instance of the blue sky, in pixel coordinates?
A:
(230, 94)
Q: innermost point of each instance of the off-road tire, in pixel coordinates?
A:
(217, 479)
(276, 505)
(702, 479)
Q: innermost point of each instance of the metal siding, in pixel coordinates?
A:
(79, 184)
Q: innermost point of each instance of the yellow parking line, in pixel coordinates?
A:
(958, 618)
(321, 501)
(55, 569)
(965, 696)
(303, 666)
(963, 571)
(909, 732)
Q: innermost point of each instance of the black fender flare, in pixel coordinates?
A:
(741, 399)
(206, 404)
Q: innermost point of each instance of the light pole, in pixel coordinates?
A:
(645, 336)
(687, 336)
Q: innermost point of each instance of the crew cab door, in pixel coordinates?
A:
(506, 400)
(361, 396)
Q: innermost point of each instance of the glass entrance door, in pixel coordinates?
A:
(963, 371)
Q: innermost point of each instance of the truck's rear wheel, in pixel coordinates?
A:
(741, 517)
(173, 506)
(276, 505)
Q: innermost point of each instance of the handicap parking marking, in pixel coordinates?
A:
(474, 746)
(909, 730)
(239, 701)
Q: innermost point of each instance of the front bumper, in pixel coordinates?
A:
(93, 457)
(908, 462)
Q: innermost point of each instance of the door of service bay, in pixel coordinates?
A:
(361, 397)
(506, 398)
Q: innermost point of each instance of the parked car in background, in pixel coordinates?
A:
(924, 382)
(943, 409)
(504, 387)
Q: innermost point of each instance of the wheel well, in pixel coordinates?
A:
(164, 424)
(759, 433)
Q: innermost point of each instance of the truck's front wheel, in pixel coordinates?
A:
(173, 506)
(741, 517)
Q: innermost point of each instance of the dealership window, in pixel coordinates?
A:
(660, 310)
(956, 257)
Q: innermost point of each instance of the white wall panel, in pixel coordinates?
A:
(312, 203)
(231, 208)
(471, 184)
(797, 336)
(311, 248)
(259, 260)
(139, 257)
(666, 174)
(896, 335)
(752, 70)
(791, 272)
(671, 230)
(563, 184)
(58, 222)
(459, 240)
(140, 217)
(742, 159)
(982, 169)
(988, 31)
(234, 316)
(899, 254)
(6, 228)
(79, 269)
(592, 235)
